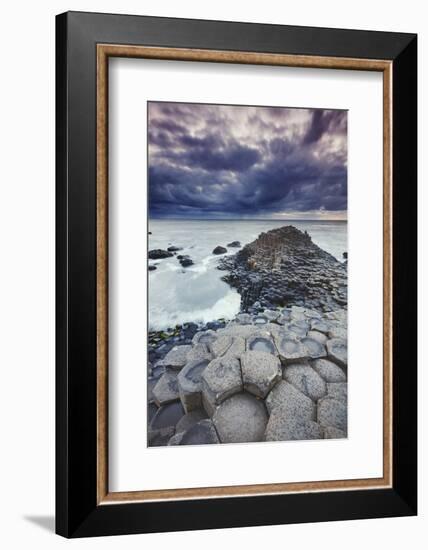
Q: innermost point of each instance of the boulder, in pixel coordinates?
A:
(329, 370)
(175, 358)
(234, 244)
(337, 350)
(241, 418)
(306, 380)
(174, 248)
(338, 390)
(152, 268)
(190, 384)
(159, 254)
(332, 412)
(219, 250)
(260, 372)
(186, 262)
(201, 433)
(166, 389)
(220, 380)
(292, 401)
(283, 428)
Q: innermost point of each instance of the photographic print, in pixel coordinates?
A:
(247, 274)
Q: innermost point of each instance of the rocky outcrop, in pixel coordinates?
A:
(253, 381)
(234, 244)
(284, 267)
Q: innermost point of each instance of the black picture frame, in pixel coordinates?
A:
(77, 512)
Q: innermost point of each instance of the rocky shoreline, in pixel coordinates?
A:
(277, 371)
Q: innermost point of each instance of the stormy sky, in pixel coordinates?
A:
(221, 161)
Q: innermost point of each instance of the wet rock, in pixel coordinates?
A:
(260, 320)
(241, 418)
(329, 370)
(260, 372)
(305, 379)
(234, 244)
(283, 428)
(186, 261)
(338, 390)
(337, 350)
(152, 268)
(220, 380)
(166, 389)
(201, 433)
(261, 343)
(332, 412)
(315, 349)
(293, 402)
(176, 358)
(174, 248)
(190, 384)
(219, 250)
(190, 419)
(333, 433)
(159, 254)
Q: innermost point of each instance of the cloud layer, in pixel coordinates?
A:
(221, 161)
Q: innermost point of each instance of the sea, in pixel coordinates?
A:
(197, 294)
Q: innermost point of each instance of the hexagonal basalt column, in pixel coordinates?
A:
(283, 428)
(190, 384)
(204, 337)
(261, 343)
(176, 358)
(306, 380)
(292, 401)
(241, 418)
(260, 372)
(201, 433)
(337, 350)
(332, 412)
(220, 380)
(329, 370)
(166, 389)
(290, 349)
(315, 349)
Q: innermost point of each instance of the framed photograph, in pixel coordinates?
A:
(236, 274)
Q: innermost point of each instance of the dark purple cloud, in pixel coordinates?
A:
(233, 161)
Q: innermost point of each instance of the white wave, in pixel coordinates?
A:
(225, 308)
